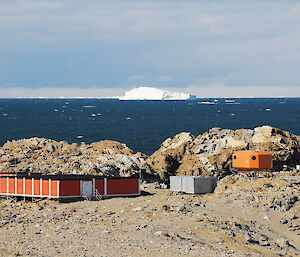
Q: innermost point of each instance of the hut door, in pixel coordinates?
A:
(86, 188)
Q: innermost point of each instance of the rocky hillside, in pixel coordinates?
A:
(210, 153)
(185, 154)
(51, 157)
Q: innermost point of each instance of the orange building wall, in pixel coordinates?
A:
(54, 188)
(45, 187)
(28, 186)
(251, 160)
(20, 186)
(36, 187)
(3, 185)
(11, 185)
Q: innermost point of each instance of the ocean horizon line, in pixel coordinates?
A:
(118, 98)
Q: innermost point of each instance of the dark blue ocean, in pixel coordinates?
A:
(142, 125)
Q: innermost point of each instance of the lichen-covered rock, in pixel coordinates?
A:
(50, 157)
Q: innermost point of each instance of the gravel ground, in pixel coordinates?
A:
(229, 222)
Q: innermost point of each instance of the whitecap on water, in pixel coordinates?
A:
(207, 102)
(231, 101)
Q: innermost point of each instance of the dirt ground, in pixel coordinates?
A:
(243, 217)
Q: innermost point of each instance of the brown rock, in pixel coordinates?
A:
(167, 158)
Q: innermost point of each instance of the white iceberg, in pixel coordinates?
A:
(151, 93)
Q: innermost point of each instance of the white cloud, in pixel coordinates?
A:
(222, 90)
(255, 42)
(21, 6)
(51, 92)
(127, 20)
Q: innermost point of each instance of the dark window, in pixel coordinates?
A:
(234, 157)
(253, 158)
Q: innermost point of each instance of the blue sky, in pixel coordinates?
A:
(207, 48)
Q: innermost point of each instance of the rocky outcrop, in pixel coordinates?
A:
(210, 153)
(50, 157)
(166, 160)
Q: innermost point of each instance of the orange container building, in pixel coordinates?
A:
(66, 186)
(252, 160)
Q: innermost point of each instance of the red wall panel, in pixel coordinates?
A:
(99, 185)
(122, 186)
(69, 188)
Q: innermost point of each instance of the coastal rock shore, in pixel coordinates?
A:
(185, 154)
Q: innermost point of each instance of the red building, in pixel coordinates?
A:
(67, 186)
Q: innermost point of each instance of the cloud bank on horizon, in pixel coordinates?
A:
(206, 48)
